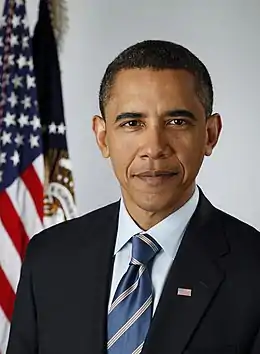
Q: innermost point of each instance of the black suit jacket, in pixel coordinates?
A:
(62, 298)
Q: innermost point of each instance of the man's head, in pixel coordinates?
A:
(158, 55)
(156, 123)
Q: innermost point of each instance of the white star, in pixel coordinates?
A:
(21, 61)
(30, 82)
(6, 138)
(9, 119)
(1, 41)
(34, 141)
(23, 120)
(15, 158)
(27, 102)
(61, 129)
(30, 64)
(1, 61)
(12, 99)
(14, 40)
(2, 158)
(19, 140)
(17, 81)
(16, 21)
(1, 176)
(25, 42)
(52, 128)
(36, 123)
(11, 59)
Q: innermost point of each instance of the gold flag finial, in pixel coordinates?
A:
(59, 19)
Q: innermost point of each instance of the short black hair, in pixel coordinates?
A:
(158, 55)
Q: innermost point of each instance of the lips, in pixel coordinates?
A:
(156, 173)
(156, 177)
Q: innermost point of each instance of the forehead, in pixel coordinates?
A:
(142, 88)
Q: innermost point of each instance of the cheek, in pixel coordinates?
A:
(189, 148)
(122, 152)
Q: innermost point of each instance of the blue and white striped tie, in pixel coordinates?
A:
(131, 310)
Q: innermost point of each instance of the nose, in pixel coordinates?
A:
(154, 144)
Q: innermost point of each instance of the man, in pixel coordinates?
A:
(162, 271)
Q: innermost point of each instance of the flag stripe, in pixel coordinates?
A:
(4, 329)
(13, 225)
(7, 295)
(38, 164)
(34, 185)
(24, 205)
(9, 258)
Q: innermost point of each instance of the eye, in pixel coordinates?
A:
(131, 124)
(177, 121)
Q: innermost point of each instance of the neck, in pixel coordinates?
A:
(146, 219)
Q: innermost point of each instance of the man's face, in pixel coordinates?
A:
(156, 135)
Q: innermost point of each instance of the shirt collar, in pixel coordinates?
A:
(168, 233)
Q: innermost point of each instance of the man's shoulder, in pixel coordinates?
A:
(241, 236)
(65, 234)
(236, 226)
(242, 239)
(230, 224)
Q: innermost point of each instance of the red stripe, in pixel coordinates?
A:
(7, 296)
(35, 187)
(13, 225)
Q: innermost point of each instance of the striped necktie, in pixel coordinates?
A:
(130, 313)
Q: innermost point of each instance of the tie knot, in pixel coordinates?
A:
(144, 249)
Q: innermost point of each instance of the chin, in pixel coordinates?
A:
(156, 203)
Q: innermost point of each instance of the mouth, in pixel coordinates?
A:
(156, 177)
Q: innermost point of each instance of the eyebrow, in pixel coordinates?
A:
(129, 115)
(180, 113)
(171, 113)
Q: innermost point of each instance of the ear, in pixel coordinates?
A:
(99, 129)
(213, 127)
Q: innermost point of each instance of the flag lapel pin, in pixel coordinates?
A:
(184, 292)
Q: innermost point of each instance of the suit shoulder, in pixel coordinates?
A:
(62, 235)
(236, 225)
(241, 236)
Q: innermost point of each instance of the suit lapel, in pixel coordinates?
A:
(95, 262)
(195, 268)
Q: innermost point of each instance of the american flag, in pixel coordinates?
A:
(21, 155)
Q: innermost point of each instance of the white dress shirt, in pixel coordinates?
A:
(168, 233)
